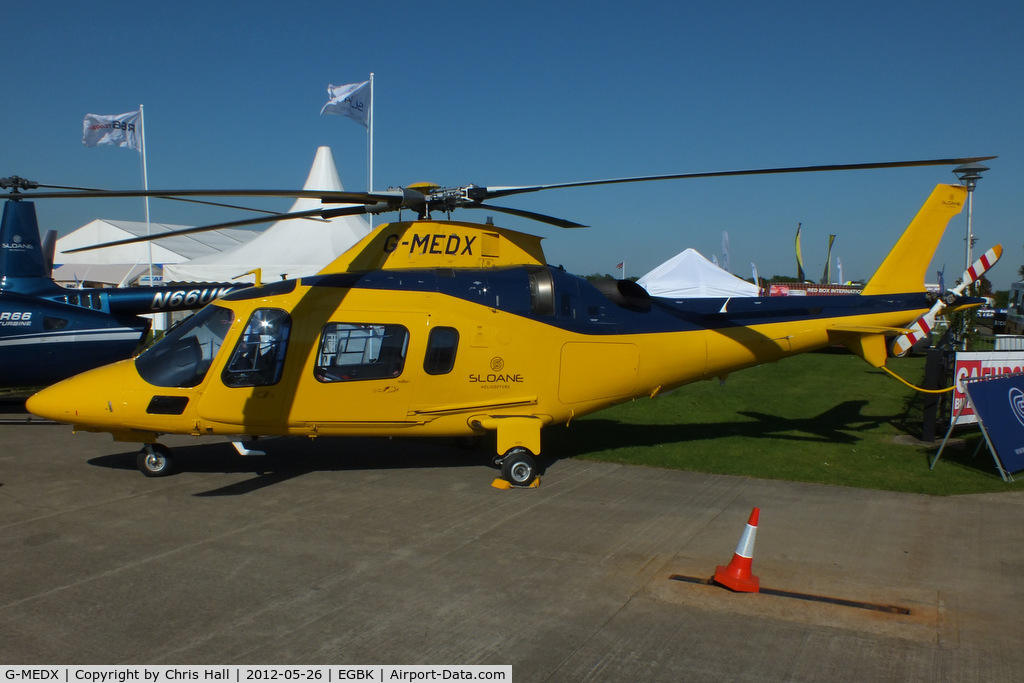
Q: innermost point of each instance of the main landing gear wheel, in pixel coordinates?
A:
(154, 460)
(519, 467)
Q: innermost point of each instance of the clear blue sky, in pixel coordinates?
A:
(546, 92)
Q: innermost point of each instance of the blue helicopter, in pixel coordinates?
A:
(48, 332)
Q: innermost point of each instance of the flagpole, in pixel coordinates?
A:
(145, 186)
(369, 134)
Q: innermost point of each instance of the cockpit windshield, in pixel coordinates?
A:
(183, 356)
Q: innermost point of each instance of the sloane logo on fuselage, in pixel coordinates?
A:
(436, 243)
(496, 379)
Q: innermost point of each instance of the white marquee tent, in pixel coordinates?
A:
(125, 263)
(690, 275)
(291, 248)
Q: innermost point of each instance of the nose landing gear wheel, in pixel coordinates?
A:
(519, 467)
(154, 460)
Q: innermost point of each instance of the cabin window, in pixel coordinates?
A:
(357, 351)
(566, 310)
(442, 344)
(258, 358)
(85, 299)
(183, 356)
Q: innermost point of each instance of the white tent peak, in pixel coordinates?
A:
(322, 176)
(288, 248)
(324, 173)
(689, 275)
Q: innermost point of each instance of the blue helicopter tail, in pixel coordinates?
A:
(23, 265)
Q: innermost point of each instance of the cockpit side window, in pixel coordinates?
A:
(258, 358)
(183, 356)
(359, 351)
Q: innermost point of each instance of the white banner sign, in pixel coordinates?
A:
(973, 364)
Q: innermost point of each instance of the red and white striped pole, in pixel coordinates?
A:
(737, 575)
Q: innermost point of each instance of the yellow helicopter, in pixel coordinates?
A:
(454, 329)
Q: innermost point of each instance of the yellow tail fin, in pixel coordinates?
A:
(904, 269)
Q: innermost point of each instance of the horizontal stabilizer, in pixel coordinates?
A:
(871, 348)
(870, 329)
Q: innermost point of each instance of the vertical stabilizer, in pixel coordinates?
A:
(903, 270)
(22, 261)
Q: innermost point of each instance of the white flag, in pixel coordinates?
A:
(725, 252)
(352, 100)
(116, 129)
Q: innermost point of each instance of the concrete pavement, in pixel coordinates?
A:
(368, 551)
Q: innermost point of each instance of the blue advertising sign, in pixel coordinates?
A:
(999, 405)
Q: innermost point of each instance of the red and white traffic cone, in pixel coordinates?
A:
(737, 575)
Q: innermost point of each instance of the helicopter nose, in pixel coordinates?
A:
(91, 398)
(53, 402)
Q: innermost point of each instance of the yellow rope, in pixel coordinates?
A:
(924, 391)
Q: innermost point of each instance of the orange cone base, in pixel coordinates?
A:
(503, 484)
(737, 578)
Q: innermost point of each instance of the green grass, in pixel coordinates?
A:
(827, 418)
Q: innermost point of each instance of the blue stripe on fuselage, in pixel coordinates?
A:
(579, 307)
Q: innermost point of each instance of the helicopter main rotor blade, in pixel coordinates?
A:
(482, 193)
(345, 211)
(314, 213)
(551, 220)
(421, 200)
(175, 199)
(332, 196)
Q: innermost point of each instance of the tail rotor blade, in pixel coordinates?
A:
(924, 325)
(921, 328)
(979, 268)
